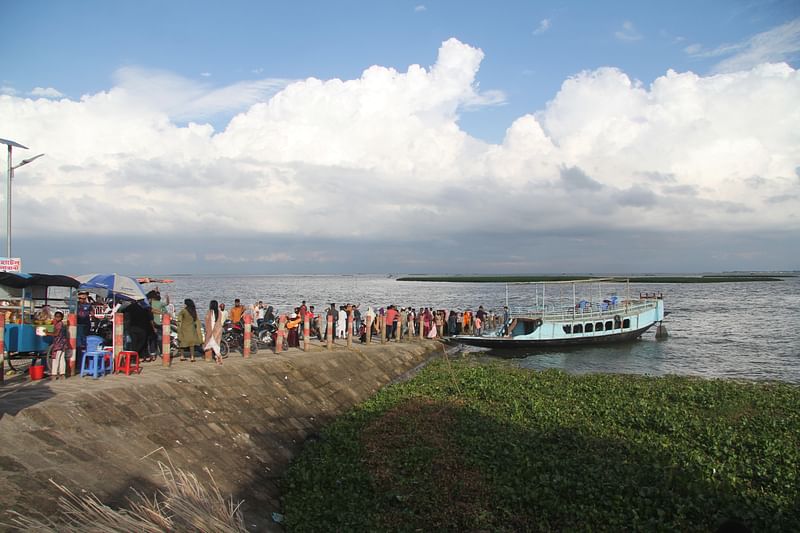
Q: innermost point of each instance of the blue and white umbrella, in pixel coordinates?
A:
(114, 285)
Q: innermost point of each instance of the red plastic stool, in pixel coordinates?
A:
(127, 361)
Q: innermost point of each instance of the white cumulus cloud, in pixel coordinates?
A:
(313, 164)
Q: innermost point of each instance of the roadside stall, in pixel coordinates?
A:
(26, 300)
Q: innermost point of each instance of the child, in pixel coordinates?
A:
(59, 347)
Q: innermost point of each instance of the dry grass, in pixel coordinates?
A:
(185, 504)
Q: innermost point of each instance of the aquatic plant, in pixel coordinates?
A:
(465, 446)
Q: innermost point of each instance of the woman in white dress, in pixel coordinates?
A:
(213, 331)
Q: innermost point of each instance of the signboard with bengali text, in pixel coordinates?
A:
(10, 264)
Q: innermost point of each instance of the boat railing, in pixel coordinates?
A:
(589, 311)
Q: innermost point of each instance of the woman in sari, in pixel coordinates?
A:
(188, 329)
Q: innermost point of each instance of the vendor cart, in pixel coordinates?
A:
(22, 297)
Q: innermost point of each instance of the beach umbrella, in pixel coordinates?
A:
(114, 285)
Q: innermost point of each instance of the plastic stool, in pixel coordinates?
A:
(128, 361)
(94, 364)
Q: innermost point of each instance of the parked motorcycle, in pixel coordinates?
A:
(103, 328)
(233, 335)
(264, 331)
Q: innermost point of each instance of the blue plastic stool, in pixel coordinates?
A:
(94, 364)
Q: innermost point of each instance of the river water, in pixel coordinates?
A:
(747, 330)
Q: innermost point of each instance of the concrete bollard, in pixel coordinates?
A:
(661, 331)
(280, 333)
(72, 332)
(329, 331)
(2, 347)
(349, 328)
(166, 330)
(248, 335)
(119, 335)
(382, 325)
(369, 329)
(306, 331)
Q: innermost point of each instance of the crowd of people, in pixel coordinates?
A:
(199, 333)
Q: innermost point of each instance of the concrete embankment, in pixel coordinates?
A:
(243, 420)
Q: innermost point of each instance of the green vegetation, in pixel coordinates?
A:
(475, 447)
(639, 279)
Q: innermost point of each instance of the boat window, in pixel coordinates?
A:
(598, 326)
(567, 328)
(626, 323)
(577, 328)
(588, 328)
(609, 325)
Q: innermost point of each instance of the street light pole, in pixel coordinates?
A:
(10, 177)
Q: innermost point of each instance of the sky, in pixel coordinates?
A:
(258, 137)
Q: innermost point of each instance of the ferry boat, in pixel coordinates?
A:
(591, 312)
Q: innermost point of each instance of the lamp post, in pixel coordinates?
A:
(11, 168)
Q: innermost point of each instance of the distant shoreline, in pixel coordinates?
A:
(634, 279)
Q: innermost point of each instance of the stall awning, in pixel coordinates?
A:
(19, 280)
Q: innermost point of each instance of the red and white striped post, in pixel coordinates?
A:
(306, 331)
(279, 334)
(2, 347)
(166, 332)
(248, 323)
(421, 325)
(119, 335)
(329, 331)
(72, 332)
(382, 325)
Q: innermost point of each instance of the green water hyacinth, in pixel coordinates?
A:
(466, 446)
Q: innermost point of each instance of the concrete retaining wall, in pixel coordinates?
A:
(243, 420)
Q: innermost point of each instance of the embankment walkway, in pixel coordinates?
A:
(243, 420)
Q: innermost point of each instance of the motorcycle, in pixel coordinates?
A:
(233, 336)
(103, 328)
(263, 332)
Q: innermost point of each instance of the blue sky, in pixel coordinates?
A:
(530, 47)
(529, 96)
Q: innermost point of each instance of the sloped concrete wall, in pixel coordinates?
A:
(243, 421)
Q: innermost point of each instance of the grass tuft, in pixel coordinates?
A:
(185, 504)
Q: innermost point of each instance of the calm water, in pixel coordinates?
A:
(735, 330)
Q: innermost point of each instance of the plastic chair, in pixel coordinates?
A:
(94, 364)
(93, 343)
(128, 361)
